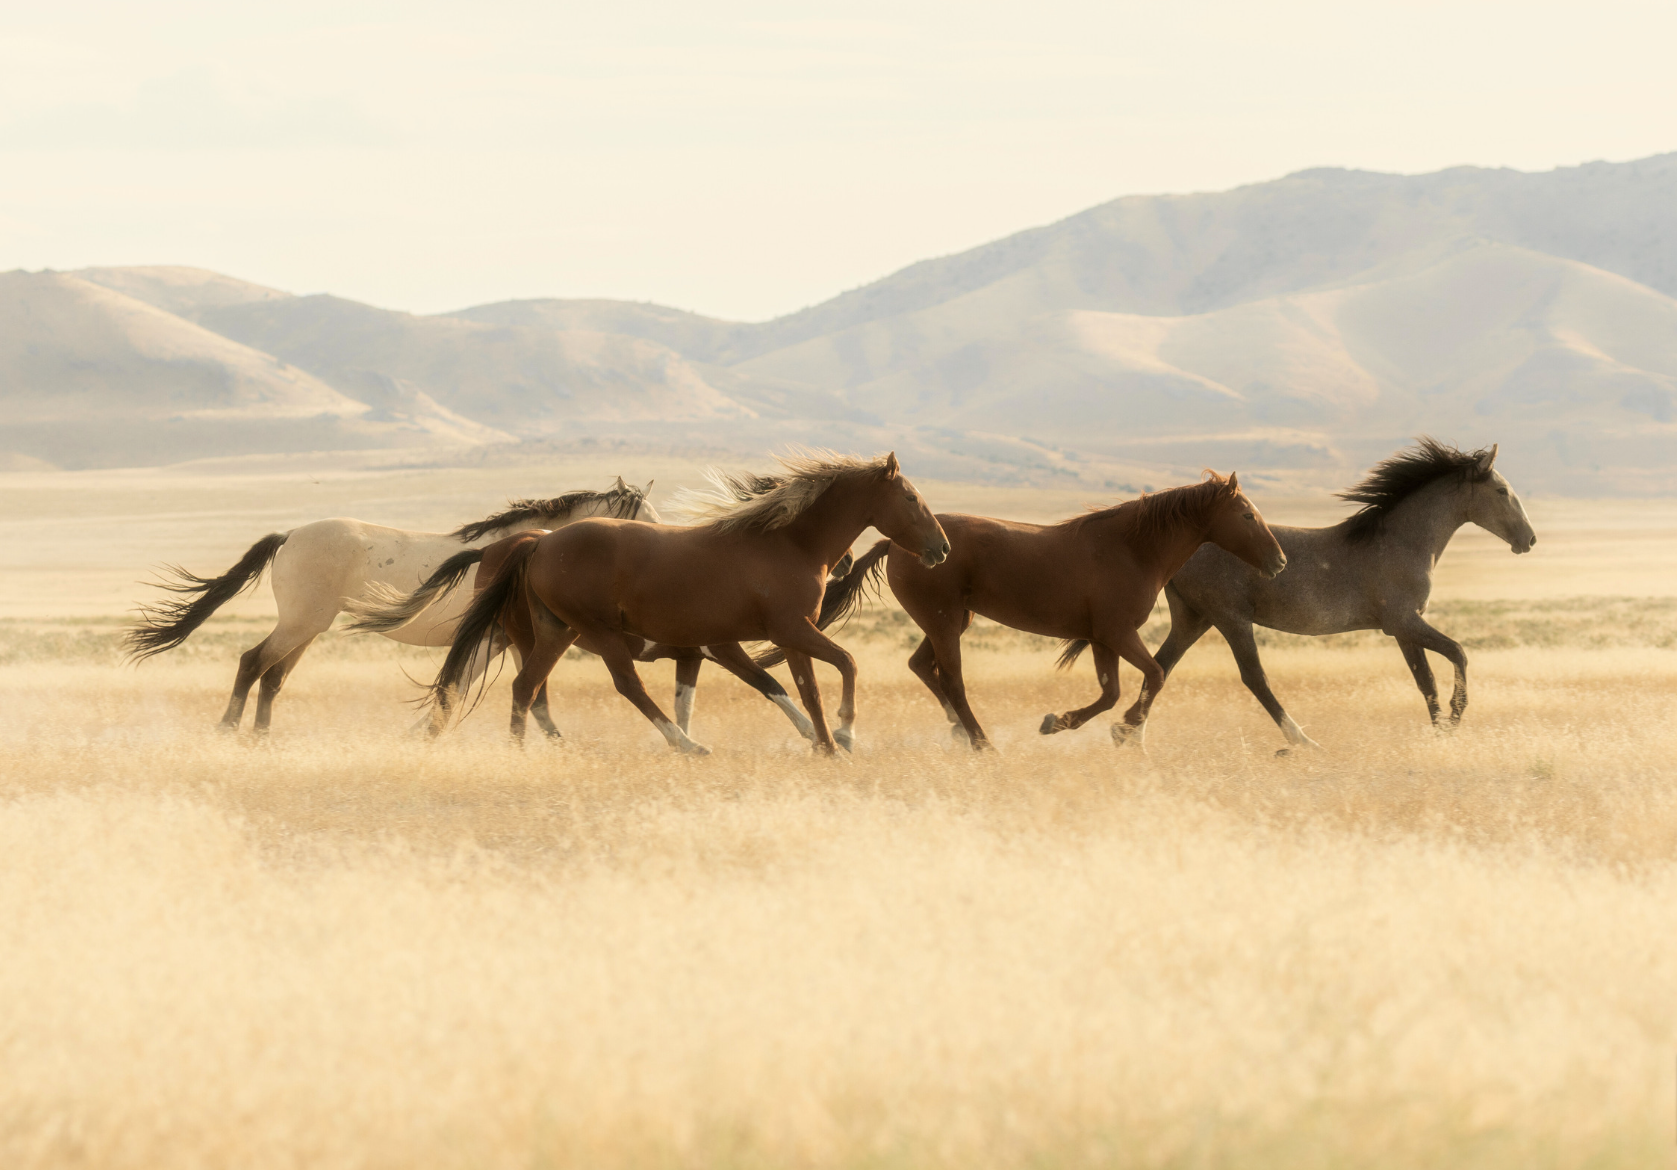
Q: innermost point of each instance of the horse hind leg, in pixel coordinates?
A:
(1106, 670)
(552, 638)
(272, 680)
(609, 646)
(251, 668)
(255, 664)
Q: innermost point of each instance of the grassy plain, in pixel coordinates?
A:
(343, 947)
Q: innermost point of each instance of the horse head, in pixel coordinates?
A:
(902, 514)
(1493, 505)
(1238, 527)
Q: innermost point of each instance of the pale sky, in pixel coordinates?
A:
(744, 159)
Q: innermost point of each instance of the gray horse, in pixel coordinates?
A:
(1370, 572)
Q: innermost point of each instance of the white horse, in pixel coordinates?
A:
(318, 566)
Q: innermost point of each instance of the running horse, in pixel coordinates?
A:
(386, 610)
(1372, 571)
(317, 566)
(753, 569)
(1093, 579)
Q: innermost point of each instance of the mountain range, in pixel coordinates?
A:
(1304, 325)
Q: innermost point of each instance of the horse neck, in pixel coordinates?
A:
(1427, 519)
(829, 526)
(1161, 555)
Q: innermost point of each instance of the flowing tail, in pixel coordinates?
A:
(1070, 651)
(167, 624)
(386, 610)
(480, 623)
(844, 594)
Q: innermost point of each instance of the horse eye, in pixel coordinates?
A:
(1249, 516)
(1502, 491)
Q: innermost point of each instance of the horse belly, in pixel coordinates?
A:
(1315, 602)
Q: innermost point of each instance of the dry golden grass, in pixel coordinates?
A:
(347, 948)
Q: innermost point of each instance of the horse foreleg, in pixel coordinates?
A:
(1187, 626)
(733, 658)
(1244, 646)
(814, 644)
(686, 690)
(1424, 637)
(924, 663)
(946, 648)
(803, 674)
(1106, 670)
(272, 680)
(1133, 650)
(1416, 659)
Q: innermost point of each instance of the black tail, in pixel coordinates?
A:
(844, 594)
(1070, 651)
(481, 621)
(167, 624)
(384, 611)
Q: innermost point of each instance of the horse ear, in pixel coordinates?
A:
(621, 486)
(892, 468)
(1483, 467)
(1234, 482)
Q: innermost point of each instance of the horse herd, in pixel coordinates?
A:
(767, 560)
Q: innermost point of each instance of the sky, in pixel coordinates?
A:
(744, 159)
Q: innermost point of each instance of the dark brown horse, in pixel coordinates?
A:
(1092, 579)
(755, 570)
(388, 611)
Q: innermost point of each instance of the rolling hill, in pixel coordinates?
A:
(1306, 324)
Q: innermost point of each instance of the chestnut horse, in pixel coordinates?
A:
(1094, 578)
(754, 570)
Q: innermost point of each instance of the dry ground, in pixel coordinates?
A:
(344, 947)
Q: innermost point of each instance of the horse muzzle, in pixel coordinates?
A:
(935, 554)
(1274, 565)
(1531, 542)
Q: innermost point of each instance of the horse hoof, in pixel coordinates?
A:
(1123, 735)
(959, 734)
(554, 734)
(1282, 753)
(1050, 724)
(694, 749)
(845, 738)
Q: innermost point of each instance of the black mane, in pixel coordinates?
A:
(1395, 479)
(626, 503)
